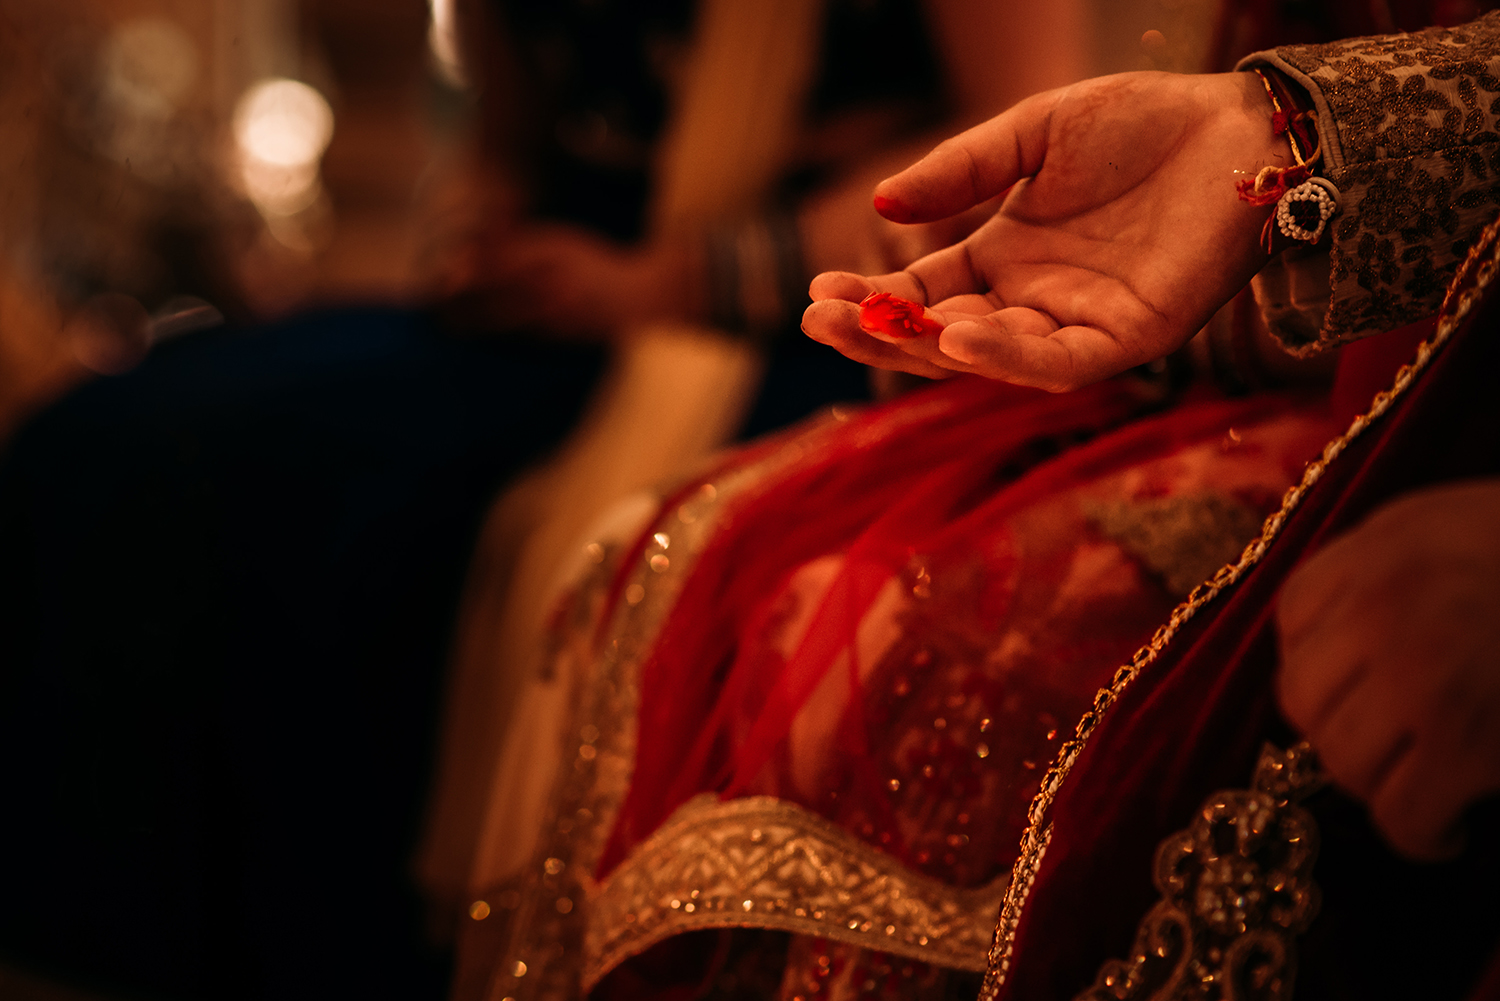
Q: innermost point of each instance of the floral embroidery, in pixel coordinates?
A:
(1416, 153)
(1236, 890)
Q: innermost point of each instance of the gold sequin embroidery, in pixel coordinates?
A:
(761, 862)
(1411, 142)
(1236, 891)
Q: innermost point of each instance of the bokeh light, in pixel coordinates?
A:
(150, 66)
(442, 43)
(281, 128)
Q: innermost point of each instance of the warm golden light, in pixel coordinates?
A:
(281, 128)
(442, 42)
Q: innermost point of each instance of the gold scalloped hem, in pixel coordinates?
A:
(761, 862)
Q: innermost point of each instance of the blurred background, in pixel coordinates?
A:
(246, 157)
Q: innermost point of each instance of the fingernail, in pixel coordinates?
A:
(891, 209)
(954, 348)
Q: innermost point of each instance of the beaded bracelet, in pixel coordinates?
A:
(1304, 203)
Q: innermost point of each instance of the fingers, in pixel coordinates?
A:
(1315, 586)
(945, 274)
(1028, 348)
(1419, 807)
(1017, 345)
(835, 322)
(1395, 685)
(833, 319)
(971, 167)
(840, 285)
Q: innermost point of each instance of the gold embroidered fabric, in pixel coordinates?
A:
(1182, 539)
(544, 952)
(1236, 891)
(1410, 138)
(761, 862)
(548, 907)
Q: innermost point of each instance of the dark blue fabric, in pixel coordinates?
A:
(230, 577)
(228, 582)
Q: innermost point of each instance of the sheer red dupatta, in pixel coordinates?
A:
(930, 479)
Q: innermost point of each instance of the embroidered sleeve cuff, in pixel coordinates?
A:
(1409, 138)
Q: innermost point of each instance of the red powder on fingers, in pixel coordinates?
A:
(893, 316)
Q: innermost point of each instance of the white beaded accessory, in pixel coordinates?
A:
(1303, 212)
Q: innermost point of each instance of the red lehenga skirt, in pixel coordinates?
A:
(812, 704)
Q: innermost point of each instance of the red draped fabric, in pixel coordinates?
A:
(1195, 720)
(963, 525)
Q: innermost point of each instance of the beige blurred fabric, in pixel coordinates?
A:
(675, 395)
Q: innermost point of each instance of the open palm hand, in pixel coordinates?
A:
(1121, 234)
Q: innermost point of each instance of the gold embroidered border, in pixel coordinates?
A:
(1236, 890)
(1476, 273)
(543, 957)
(761, 862)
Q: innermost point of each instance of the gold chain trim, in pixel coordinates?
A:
(1236, 889)
(1473, 276)
(761, 862)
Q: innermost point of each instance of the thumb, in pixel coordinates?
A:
(972, 167)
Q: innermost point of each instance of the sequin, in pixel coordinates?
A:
(660, 563)
(479, 910)
(634, 593)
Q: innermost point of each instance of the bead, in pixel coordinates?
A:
(1295, 211)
